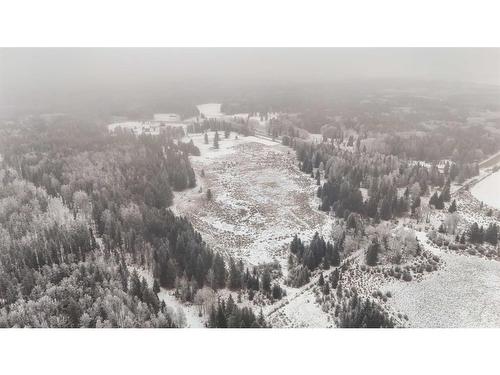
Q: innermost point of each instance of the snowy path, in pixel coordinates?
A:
(466, 293)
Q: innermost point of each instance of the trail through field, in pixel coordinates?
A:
(466, 293)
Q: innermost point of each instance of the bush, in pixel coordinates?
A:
(407, 276)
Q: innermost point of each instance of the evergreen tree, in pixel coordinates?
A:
(453, 206)
(445, 194)
(475, 233)
(135, 289)
(156, 286)
(385, 209)
(491, 234)
(277, 292)
(216, 140)
(326, 289)
(372, 253)
(219, 270)
(266, 281)
(234, 275)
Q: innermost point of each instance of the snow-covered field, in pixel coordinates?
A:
(210, 110)
(260, 201)
(260, 198)
(488, 190)
(465, 293)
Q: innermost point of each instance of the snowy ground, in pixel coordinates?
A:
(488, 190)
(260, 198)
(300, 311)
(465, 293)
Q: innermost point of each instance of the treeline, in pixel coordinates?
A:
(229, 315)
(478, 234)
(258, 279)
(461, 144)
(239, 125)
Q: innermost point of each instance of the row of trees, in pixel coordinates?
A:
(229, 315)
(477, 234)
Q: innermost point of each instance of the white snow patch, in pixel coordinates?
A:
(210, 110)
(488, 190)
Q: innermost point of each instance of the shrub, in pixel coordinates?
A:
(407, 276)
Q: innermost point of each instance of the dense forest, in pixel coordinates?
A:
(78, 205)
(393, 184)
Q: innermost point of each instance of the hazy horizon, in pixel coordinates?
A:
(37, 76)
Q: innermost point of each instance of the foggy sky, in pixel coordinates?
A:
(52, 71)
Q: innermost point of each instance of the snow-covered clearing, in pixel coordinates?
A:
(210, 110)
(465, 293)
(488, 190)
(260, 198)
(260, 201)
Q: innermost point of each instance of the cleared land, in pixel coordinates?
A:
(260, 201)
(260, 198)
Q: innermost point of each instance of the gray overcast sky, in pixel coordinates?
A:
(56, 71)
